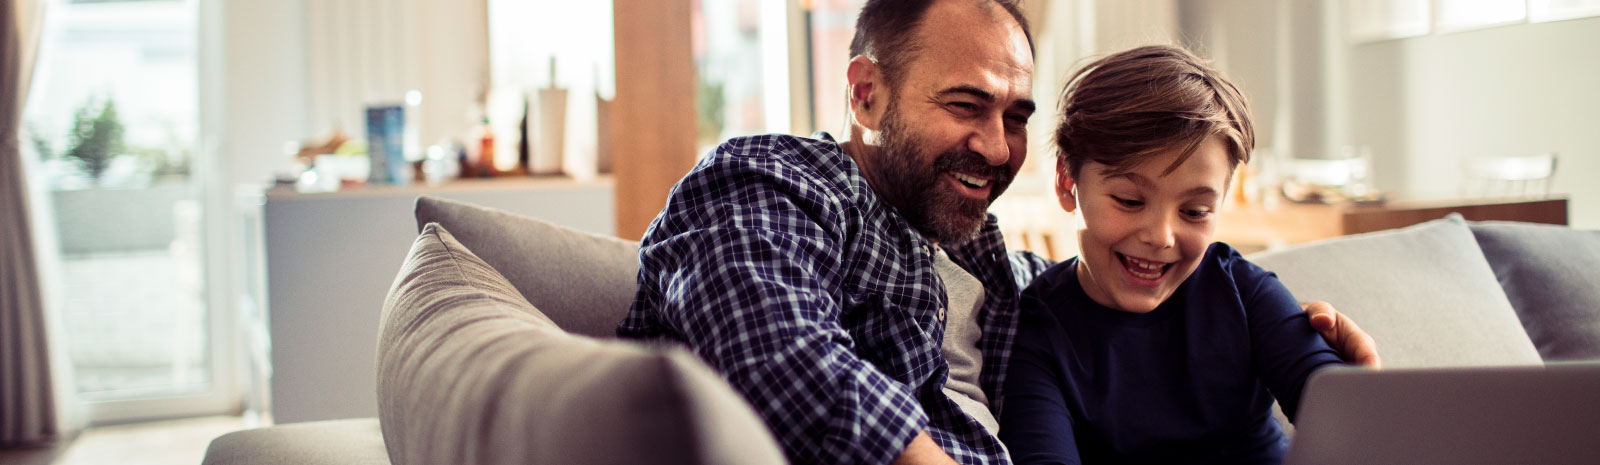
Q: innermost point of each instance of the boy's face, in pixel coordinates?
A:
(1146, 232)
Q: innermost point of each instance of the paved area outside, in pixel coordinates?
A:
(173, 442)
(135, 323)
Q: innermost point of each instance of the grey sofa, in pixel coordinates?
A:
(496, 342)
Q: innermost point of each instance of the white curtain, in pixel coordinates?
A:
(28, 404)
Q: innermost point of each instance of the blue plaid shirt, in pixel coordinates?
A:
(778, 264)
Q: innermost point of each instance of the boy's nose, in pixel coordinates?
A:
(1158, 233)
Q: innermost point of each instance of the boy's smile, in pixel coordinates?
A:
(1146, 229)
(1144, 272)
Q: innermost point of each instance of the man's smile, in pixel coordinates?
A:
(971, 185)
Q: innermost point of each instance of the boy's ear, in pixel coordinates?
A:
(1065, 192)
(866, 94)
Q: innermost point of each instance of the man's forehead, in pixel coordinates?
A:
(965, 29)
(973, 43)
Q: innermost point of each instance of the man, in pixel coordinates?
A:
(857, 293)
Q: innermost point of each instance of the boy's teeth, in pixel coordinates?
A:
(971, 180)
(1143, 269)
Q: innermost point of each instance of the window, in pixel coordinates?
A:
(114, 119)
(742, 68)
(1461, 15)
(1374, 20)
(832, 25)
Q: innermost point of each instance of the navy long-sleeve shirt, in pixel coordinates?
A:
(1190, 382)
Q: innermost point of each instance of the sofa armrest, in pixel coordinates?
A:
(470, 372)
(334, 442)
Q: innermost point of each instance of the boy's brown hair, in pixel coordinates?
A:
(1123, 109)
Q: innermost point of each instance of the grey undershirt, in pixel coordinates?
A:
(961, 331)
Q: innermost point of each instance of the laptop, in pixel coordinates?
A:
(1459, 416)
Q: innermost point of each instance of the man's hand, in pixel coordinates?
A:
(923, 450)
(1354, 345)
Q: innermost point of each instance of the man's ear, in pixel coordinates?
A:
(867, 92)
(1064, 188)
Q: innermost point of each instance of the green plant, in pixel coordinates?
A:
(162, 162)
(41, 146)
(710, 103)
(96, 137)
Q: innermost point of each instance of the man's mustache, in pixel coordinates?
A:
(967, 161)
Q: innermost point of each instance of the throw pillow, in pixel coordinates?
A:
(1425, 293)
(582, 281)
(1549, 273)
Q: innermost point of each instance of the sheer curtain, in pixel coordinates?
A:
(28, 403)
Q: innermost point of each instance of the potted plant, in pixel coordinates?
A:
(94, 140)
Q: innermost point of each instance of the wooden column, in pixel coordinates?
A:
(653, 118)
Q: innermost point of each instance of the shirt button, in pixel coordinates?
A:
(941, 314)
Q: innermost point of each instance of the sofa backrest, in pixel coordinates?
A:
(1549, 273)
(470, 372)
(584, 282)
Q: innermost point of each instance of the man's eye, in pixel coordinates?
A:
(1127, 202)
(965, 107)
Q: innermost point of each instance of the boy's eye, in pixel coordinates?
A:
(1130, 203)
(1196, 214)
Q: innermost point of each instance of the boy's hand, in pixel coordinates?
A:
(1354, 345)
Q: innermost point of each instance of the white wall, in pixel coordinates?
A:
(1426, 104)
(1067, 35)
(1423, 105)
(293, 70)
(263, 93)
(1288, 60)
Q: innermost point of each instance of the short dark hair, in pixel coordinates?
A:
(885, 32)
(1123, 109)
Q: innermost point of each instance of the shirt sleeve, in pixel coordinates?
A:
(1286, 349)
(1026, 265)
(1036, 424)
(751, 282)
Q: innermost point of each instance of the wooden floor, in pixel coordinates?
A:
(176, 442)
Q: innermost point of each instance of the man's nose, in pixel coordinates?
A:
(989, 140)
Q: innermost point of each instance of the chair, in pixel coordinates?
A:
(1513, 176)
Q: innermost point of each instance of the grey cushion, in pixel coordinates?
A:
(334, 442)
(470, 372)
(1550, 275)
(1425, 293)
(582, 281)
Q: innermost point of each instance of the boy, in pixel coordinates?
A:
(1154, 345)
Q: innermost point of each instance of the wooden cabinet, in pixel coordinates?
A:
(1255, 227)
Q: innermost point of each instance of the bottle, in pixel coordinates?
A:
(486, 150)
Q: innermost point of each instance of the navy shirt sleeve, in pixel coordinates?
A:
(1286, 349)
(1036, 424)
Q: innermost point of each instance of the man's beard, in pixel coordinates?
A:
(916, 185)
